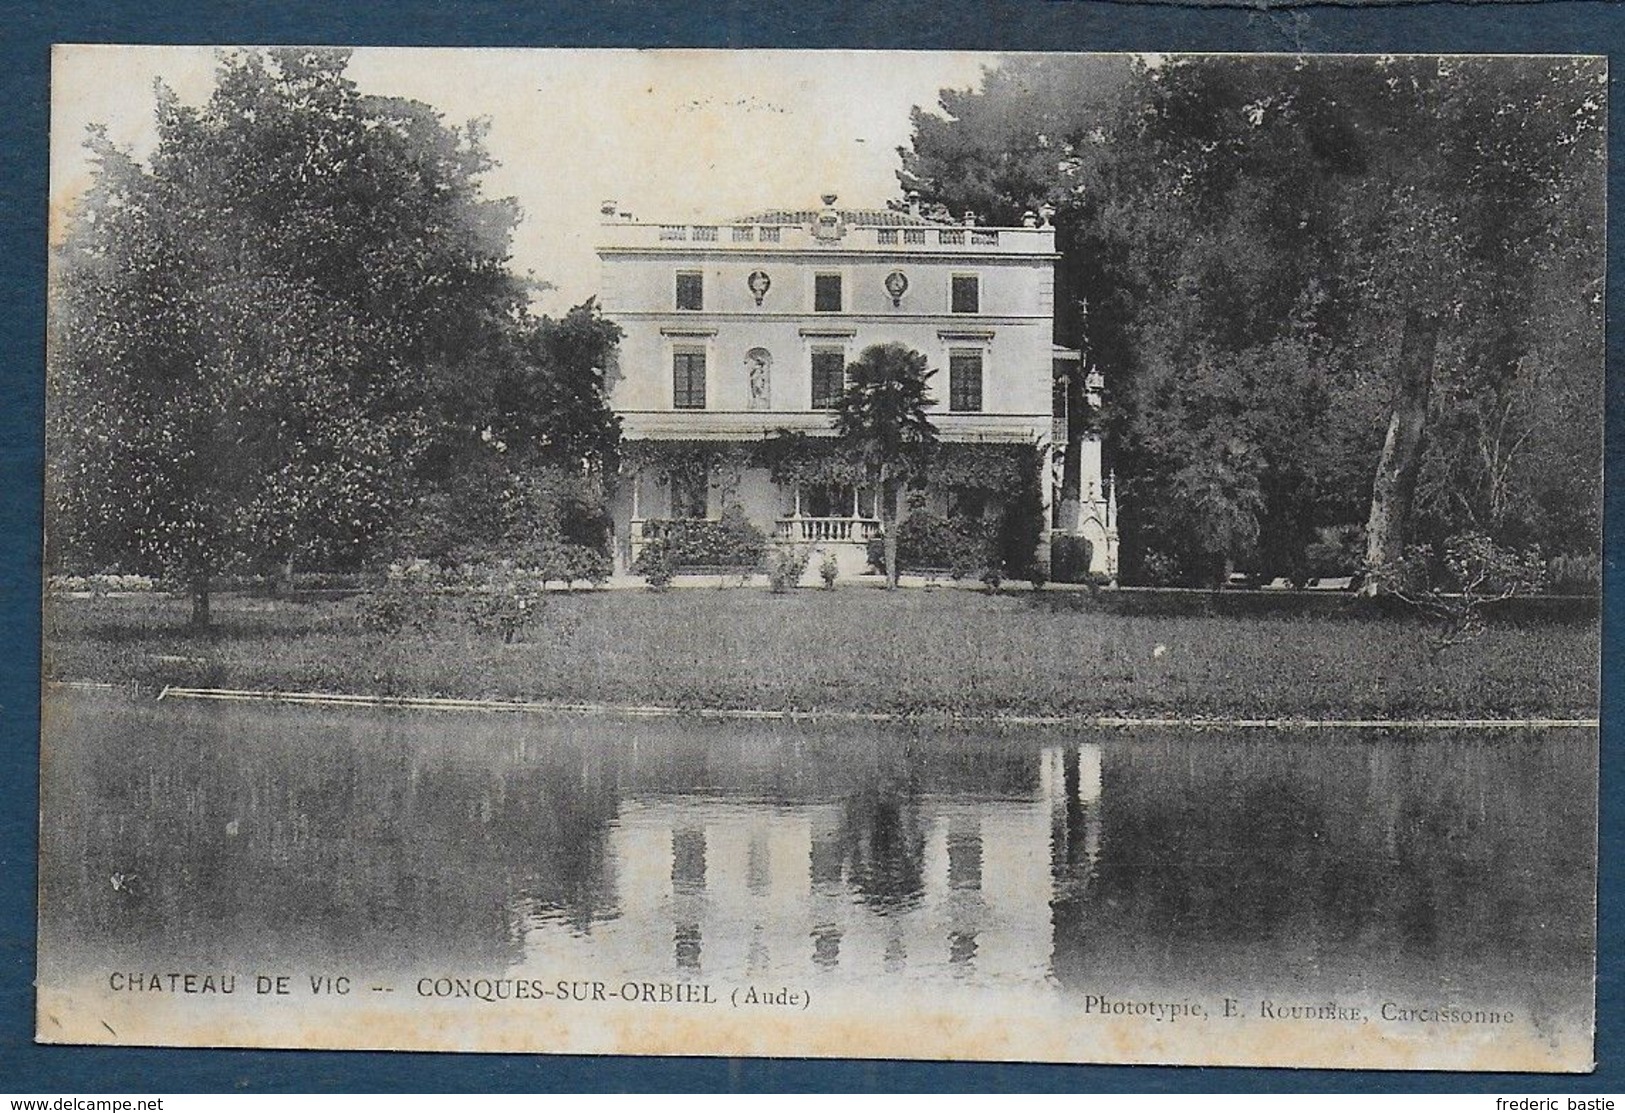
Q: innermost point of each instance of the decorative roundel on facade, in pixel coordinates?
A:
(759, 284)
(897, 286)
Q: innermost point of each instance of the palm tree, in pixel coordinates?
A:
(881, 419)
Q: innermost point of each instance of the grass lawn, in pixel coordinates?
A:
(857, 648)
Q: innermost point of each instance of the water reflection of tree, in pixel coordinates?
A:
(1260, 858)
(882, 839)
(366, 840)
(799, 763)
(388, 839)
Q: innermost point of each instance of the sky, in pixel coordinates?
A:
(670, 135)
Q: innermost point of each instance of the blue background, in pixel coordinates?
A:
(28, 31)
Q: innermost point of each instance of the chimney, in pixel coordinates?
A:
(970, 219)
(913, 202)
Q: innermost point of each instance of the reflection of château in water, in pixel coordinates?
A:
(384, 841)
(943, 865)
(1221, 860)
(822, 853)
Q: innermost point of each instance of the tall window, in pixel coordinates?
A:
(967, 294)
(826, 293)
(688, 380)
(828, 377)
(965, 381)
(690, 290)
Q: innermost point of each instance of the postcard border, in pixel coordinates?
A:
(1562, 27)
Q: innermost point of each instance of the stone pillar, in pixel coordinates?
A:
(1046, 496)
(634, 513)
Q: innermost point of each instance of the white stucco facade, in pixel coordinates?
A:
(738, 330)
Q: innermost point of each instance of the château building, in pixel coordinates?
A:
(739, 333)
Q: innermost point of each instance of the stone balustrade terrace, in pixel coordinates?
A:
(629, 236)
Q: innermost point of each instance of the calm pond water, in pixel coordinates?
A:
(1455, 865)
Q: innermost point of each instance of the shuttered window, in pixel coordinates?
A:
(965, 382)
(688, 380)
(690, 290)
(967, 294)
(826, 293)
(828, 377)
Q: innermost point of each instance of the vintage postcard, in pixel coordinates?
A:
(1075, 558)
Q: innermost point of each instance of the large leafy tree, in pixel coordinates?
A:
(523, 446)
(546, 393)
(1277, 260)
(882, 420)
(1479, 274)
(267, 335)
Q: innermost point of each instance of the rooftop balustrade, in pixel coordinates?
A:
(923, 238)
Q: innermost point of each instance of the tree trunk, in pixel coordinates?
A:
(888, 527)
(1395, 484)
(200, 601)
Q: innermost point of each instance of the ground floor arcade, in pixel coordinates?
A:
(815, 498)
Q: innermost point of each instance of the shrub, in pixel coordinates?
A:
(1453, 587)
(403, 601)
(1575, 574)
(590, 566)
(927, 541)
(786, 565)
(504, 612)
(1069, 558)
(829, 570)
(730, 542)
(1021, 521)
(489, 509)
(565, 562)
(980, 551)
(1159, 569)
(1335, 551)
(500, 598)
(654, 564)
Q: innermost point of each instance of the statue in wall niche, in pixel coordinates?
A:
(759, 366)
